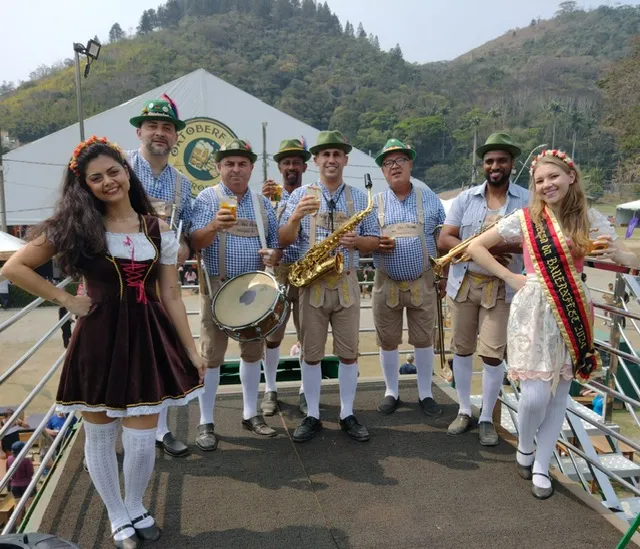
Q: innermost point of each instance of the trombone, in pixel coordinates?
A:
(437, 272)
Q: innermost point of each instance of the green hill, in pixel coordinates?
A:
(296, 56)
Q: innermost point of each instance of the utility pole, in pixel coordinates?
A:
(3, 203)
(77, 48)
(264, 152)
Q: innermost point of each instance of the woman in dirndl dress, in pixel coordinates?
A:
(132, 353)
(550, 329)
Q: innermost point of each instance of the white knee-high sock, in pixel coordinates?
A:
(139, 460)
(100, 452)
(270, 368)
(163, 424)
(207, 398)
(250, 379)
(390, 362)
(301, 390)
(312, 379)
(348, 378)
(424, 369)
(549, 432)
(462, 372)
(534, 399)
(492, 377)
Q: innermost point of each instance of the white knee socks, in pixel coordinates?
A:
(492, 377)
(348, 378)
(163, 425)
(100, 452)
(207, 398)
(312, 380)
(424, 369)
(139, 460)
(250, 379)
(535, 395)
(549, 432)
(390, 362)
(270, 368)
(462, 372)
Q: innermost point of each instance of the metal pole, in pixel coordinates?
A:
(79, 92)
(3, 203)
(614, 341)
(264, 151)
(526, 162)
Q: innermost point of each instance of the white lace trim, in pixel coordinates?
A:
(509, 229)
(122, 244)
(133, 411)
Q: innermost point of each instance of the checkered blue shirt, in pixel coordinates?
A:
(291, 253)
(164, 187)
(406, 260)
(368, 227)
(242, 252)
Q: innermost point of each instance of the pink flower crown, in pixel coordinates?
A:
(553, 152)
(73, 163)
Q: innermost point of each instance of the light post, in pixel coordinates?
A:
(91, 51)
(526, 162)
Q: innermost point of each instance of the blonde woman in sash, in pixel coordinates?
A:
(550, 330)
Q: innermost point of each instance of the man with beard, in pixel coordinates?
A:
(479, 302)
(408, 217)
(157, 129)
(312, 214)
(292, 158)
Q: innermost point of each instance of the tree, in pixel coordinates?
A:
(443, 111)
(147, 22)
(575, 120)
(309, 8)
(396, 53)
(361, 32)
(567, 7)
(116, 33)
(594, 182)
(348, 29)
(170, 14)
(376, 43)
(555, 109)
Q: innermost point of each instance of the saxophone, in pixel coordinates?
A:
(318, 262)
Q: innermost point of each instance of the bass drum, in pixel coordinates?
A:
(250, 306)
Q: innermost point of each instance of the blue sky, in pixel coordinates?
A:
(36, 32)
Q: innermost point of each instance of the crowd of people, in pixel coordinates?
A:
(114, 226)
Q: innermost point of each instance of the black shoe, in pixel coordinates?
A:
(525, 471)
(172, 446)
(430, 407)
(132, 542)
(150, 533)
(269, 404)
(257, 425)
(206, 439)
(388, 405)
(542, 493)
(307, 429)
(302, 407)
(354, 428)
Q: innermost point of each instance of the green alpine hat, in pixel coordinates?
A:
(331, 140)
(292, 147)
(237, 147)
(395, 145)
(499, 142)
(163, 109)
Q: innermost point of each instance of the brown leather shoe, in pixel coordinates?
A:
(257, 425)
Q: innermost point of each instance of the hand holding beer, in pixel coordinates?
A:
(269, 189)
(308, 205)
(316, 193)
(387, 244)
(227, 215)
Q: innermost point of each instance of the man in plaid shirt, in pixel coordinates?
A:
(230, 247)
(408, 217)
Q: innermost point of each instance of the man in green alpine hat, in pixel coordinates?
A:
(157, 126)
(292, 158)
(334, 298)
(479, 302)
(225, 227)
(408, 216)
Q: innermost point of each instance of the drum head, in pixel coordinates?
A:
(245, 299)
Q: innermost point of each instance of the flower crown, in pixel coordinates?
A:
(73, 163)
(553, 152)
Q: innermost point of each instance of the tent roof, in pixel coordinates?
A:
(8, 245)
(635, 205)
(33, 172)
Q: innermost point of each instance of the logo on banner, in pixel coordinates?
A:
(195, 149)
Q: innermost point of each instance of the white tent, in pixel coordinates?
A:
(626, 212)
(33, 173)
(8, 245)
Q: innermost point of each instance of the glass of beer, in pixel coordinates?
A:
(316, 192)
(277, 193)
(230, 203)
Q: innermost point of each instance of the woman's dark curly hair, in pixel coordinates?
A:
(76, 228)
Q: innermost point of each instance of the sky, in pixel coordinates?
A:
(42, 32)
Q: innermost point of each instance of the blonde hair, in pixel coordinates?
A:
(573, 216)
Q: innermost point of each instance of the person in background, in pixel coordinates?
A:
(22, 477)
(408, 367)
(4, 292)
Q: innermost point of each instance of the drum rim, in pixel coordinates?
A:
(279, 291)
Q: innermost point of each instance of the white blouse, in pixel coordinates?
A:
(123, 245)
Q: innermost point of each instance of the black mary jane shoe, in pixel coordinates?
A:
(542, 493)
(150, 533)
(525, 471)
(132, 542)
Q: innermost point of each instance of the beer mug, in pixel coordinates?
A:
(230, 203)
(316, 192)
(201, 155)
(277, 193)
